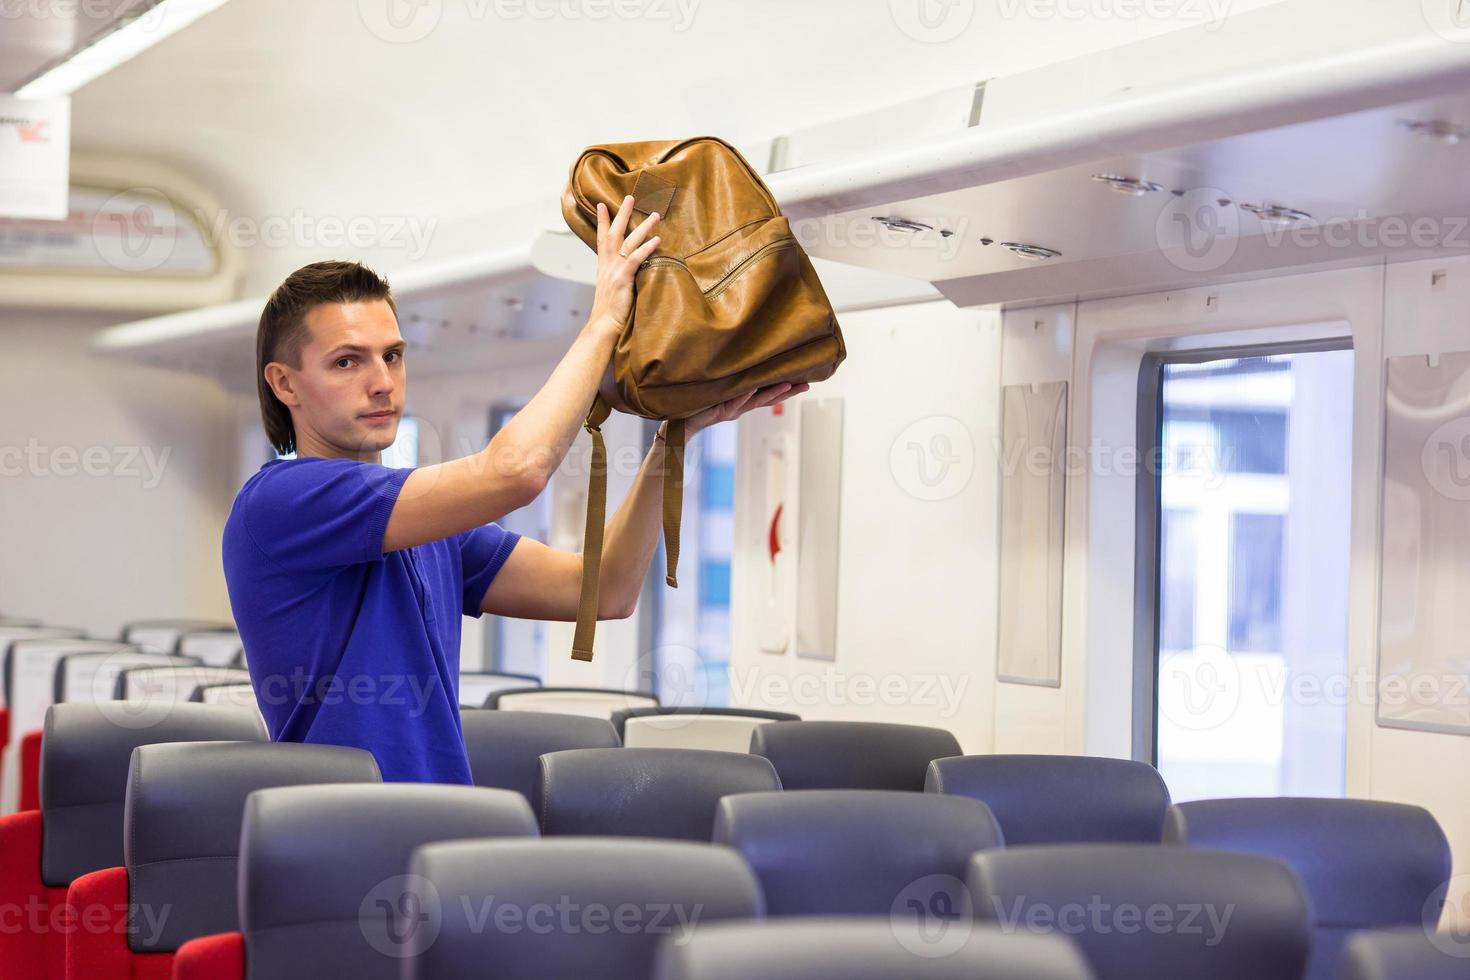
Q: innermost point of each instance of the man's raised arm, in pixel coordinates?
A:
(447, 498)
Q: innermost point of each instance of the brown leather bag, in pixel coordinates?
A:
(729, 303)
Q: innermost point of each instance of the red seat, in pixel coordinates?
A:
(79, 826)
(183, 812)
(309, 858)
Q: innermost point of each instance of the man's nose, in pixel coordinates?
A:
(381, 381)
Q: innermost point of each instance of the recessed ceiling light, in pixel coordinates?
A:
(1132, 186)
(132, 34)
(894, 223)
(1276, 214)
(1436, 131)
(1035, 253)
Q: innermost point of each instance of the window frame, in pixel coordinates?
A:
(1148, 517)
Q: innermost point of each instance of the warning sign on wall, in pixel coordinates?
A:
(35, 153)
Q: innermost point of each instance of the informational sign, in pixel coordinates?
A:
(110, 232)
(35, 157)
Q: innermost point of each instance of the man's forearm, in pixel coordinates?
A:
(632, 535)
(538, 437)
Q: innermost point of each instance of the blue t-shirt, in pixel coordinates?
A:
(347, 645)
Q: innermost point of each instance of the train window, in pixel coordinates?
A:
(1250, 506)
(518, 646)
(688, 628)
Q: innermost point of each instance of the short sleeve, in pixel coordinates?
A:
(315, 514)
(482, 552)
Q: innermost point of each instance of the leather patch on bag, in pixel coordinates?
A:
(652, 193)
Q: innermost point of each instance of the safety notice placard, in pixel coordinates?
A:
(35, 154)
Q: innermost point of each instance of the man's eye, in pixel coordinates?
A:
(393, 356)
(344, 362)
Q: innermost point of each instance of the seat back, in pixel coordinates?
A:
(1364, 863)
(477, 685)
(851, 754)
(30, 688)
(213, 648)
(170, 685)
(162, 635)
(1143, 910)
(30, 678)
(668, 793)
(236, 693)
(321, 869)
(575, 907)
(505, 747)
(93, 676)
(593, 702)
(1060, 799)
(86, 753)
(720, 729)
(182, 824)
(1405, 953)
(861, 948)
(10, 635)
(857, 852)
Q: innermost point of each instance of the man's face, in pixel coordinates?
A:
(347, 396)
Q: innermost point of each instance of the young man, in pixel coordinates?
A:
(348, 579)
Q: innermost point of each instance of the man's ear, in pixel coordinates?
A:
(279, 379)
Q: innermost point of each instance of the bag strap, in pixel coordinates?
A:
(592, 538)
(673, 505)
(673, 498)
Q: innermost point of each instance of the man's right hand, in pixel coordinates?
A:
(619, 254)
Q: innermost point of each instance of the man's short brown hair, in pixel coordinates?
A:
(283, 333)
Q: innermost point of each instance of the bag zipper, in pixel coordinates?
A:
(724, 280)
(719, 287)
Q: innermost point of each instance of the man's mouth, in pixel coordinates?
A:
(379, 416)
